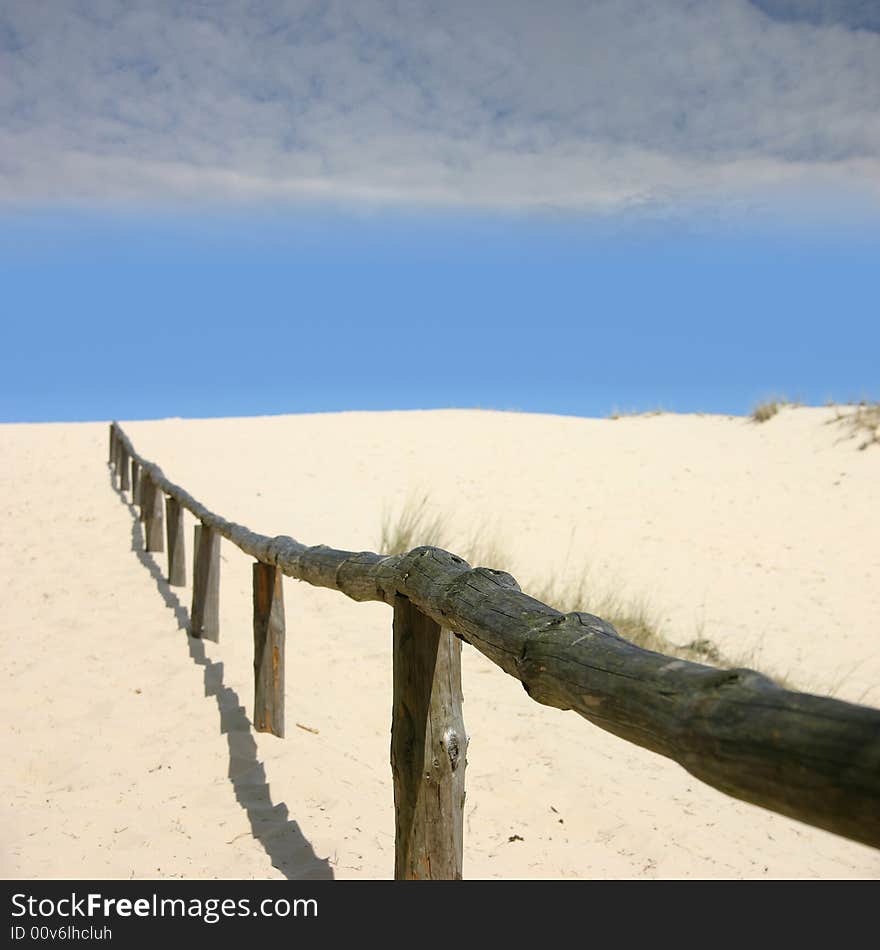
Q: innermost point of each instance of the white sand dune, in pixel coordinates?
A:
(128, 750)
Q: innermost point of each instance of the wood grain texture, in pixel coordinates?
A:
(812, 758)
(176, 547)
(145, 498)
(269, 637)
(428, 748)
(154, 534)
(135, 483)
(147, 490)
(124, 481)
(205, 612)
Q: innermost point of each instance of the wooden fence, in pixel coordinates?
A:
(812, 758)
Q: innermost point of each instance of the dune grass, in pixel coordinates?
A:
(765, 411)
(622, 413)
(416, 524)
(862, 419)
(412, 526)
(768, 408)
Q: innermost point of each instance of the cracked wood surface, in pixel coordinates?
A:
(428, 748)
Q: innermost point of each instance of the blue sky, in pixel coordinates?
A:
(234, 209)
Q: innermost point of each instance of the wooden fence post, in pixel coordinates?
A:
(135, 483)
(205, 613)
(428, 748)
(146, 484)
(124, 483)
(176, 552)
(152, 504)
(268, 649)
(114, 457)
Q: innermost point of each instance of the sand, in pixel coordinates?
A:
(128, 751)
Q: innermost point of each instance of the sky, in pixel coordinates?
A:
(243, 208)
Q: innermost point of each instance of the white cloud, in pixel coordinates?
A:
(564, 103)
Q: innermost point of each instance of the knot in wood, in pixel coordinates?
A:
(451, 745)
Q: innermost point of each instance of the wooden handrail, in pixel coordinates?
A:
(812, 758)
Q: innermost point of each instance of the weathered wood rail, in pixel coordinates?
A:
(812, 758)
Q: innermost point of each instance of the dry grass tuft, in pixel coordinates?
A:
(620, 413)
(416, 525)
(412, 527)
(862, 420)
(768, 408)
(635, 622)
(630, 617)
(765, 410)
(703, 647)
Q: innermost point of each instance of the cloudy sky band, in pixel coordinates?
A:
(594, 106)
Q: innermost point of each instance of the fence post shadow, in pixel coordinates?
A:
(280, 836)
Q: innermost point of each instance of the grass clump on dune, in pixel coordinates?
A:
(415, 525)
(768, 408)
(412, 527)
(621, 413)
(865, 418)
(765, 410)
